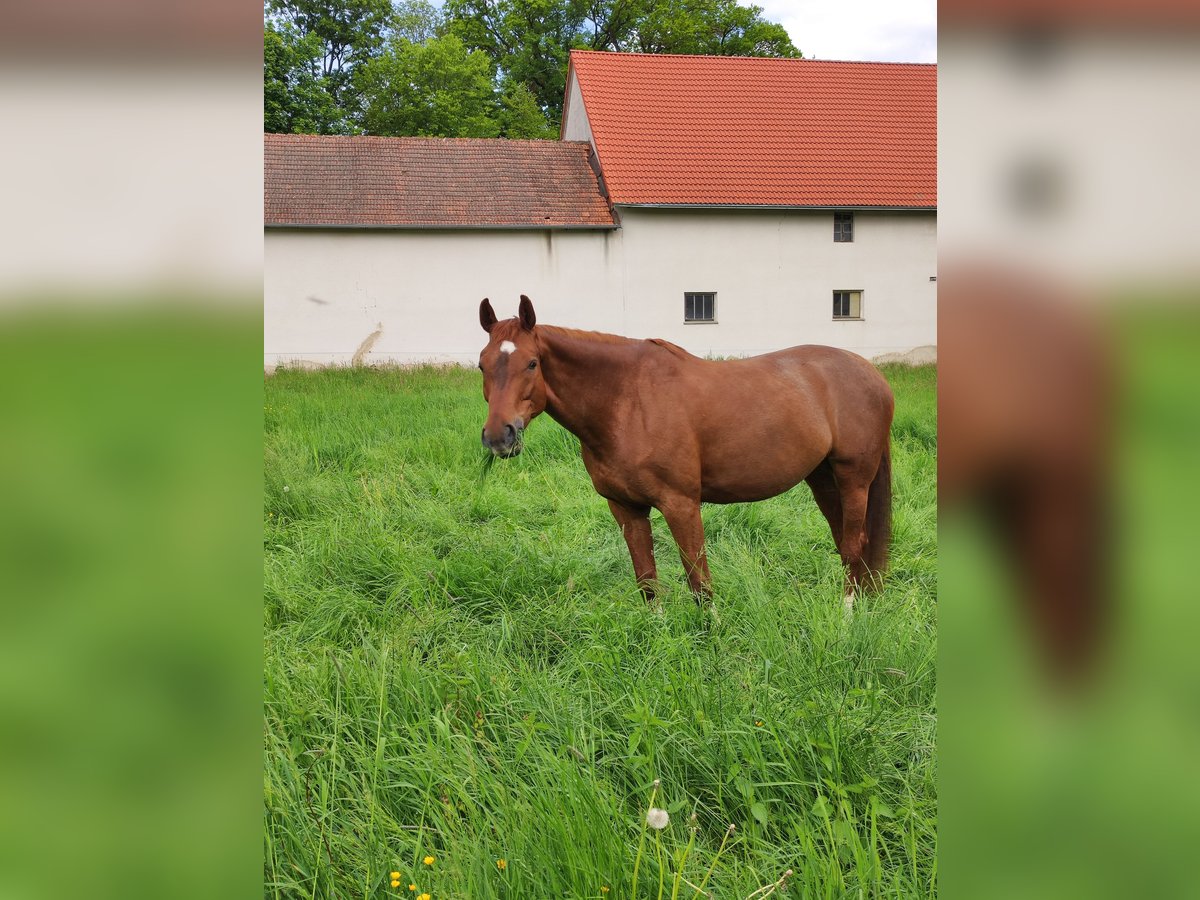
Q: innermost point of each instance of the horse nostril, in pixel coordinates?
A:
(510, 435)
(483, 436)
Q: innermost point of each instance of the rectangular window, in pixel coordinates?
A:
(847, 304)
(699, 307)
(843, 227)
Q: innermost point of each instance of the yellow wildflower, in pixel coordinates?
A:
(428, 860)
(395, 883)
(604, 889)
(412, 887)
(424, 897)
(395, 876)
(502, 864)
(758, 723)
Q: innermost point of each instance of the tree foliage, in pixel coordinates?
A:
(531, 40)
(429, 89)
(417, 21)
(709, 27)
(350, 31)
(520, 115)
(472, 67)
(294, 96)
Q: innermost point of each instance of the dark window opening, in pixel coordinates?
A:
(699, 307)
(847, 304)
(843, 227)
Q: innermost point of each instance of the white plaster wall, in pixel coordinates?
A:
(160, 210)
(325, 292)
(774, 274)
(1104, 114)
(576, 126)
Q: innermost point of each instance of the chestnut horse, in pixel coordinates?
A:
(664, 429)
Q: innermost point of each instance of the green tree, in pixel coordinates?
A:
(435, 88)
(711, 27)
(520, 115)
(417, 21)
(350, 32)
(294, 97)
(530, 40)
(472, 67)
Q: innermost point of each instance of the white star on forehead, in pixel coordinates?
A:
(507, 347)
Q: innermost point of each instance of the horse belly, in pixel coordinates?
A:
(756, 472)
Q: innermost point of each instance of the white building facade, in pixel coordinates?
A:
(719, 277)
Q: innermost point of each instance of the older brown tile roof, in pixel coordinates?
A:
(381, 182)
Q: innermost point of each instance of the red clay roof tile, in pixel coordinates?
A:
(330, 180)
(711, 130)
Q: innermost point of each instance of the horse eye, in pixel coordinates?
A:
(533, 364)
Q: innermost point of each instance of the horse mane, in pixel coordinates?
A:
(507, 328)
(598, 337)
(601, 337)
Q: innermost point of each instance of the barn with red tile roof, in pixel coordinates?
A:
(731, 205)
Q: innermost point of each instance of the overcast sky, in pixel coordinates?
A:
(879, 30)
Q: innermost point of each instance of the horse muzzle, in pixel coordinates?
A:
(506, 442)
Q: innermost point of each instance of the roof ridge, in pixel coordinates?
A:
(805, 59)
(427, 139)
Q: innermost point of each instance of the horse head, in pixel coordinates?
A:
(512, 377)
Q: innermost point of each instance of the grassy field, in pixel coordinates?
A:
(459, 666)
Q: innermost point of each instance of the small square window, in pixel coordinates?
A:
(843, 227)
(699, 307)
(847, 304)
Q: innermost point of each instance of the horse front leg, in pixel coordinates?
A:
(683, 518)
(635, 528)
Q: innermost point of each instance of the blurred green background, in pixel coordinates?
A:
(1088, 791)
(130, 618)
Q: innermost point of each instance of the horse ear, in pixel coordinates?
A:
(525, 311)
(487, 316)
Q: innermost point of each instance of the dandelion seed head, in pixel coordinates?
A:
(657, 818)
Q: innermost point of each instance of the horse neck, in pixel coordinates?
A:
(583, 376)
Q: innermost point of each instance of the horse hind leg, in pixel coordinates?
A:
(879, 520)
(829, 498)
(854, 488)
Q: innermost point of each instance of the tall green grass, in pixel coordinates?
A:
(461, 667)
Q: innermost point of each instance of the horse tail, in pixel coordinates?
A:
(879, 518)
